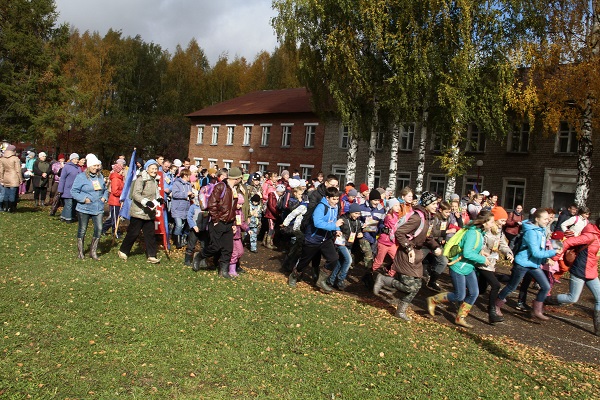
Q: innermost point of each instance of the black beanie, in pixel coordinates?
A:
(374, 195)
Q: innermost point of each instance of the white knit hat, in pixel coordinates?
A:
(91, 159)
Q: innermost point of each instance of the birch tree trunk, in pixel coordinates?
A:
(421, 162)
(454, 156)
(372, 151)
(351, 165)
(584, 157)
(392, 179)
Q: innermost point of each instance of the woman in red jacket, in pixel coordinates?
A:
(114, 199)
(584, 270)
(272, 215)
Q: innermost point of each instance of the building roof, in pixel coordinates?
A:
(261, 102)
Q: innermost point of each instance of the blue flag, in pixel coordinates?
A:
(125, 200)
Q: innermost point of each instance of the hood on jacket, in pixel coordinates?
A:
(528, 226)
(591, 228)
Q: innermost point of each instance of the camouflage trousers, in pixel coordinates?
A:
(408, 287)
(365, 248)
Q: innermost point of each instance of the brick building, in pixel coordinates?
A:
(268, 130)
(284, 133)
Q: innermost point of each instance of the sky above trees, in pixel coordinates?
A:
(237, 27)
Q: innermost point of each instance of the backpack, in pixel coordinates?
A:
(518, 243)
(403, 221)
(454, 247)
(282, 202)
(205, 193)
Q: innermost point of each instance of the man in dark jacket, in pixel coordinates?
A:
(222, 204)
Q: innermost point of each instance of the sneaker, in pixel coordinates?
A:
(122, 255)
(434, 286)
(153, 260)
(522, 307)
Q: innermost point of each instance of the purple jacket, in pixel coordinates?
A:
(67, 177)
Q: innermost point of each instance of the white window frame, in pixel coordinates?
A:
(401, 178)
(200, 134)
(469, 181)
(311, 135)
(376, 178)
(436, 178)
(265, 134)
(245, 165)
(407, 137)
(379, 140)
(513, 184)
(517, 137)
(479, 141)
(230, 134)
(247, 135)
(339, 170)
(227, 163)
(344, 136)
(286, 135)
(262, 166)
(283, 166)
(212, 162)
(198, 161)
(306, 171)
(570, 135)
(215, 135)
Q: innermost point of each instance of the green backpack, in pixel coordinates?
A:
(454, 247)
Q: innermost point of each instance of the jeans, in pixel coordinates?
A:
(10, 194)
(343, 265)
(83, 223)
(517, 274)
(68, 210)
(1, 194)
(575, 288)
(179, 223)
(461, 284)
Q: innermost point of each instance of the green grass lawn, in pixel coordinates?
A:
(107, 329)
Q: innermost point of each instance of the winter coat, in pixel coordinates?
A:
(439, 227)
(562, 217)
(168, 181)
(494, 243)
(10, 170)
(296, 217)
(350, 226)
(67, 177)
(144, 187)
(180, 202)
(29, 163)
(41, 167)
(116, 188)
(454, 222)
(407, 241)
(586, 263)
(193, 215)
(83, 188)
(222, 203)
(243, 226)
(56, 170)
(255, 215)
(271, 209)
(574, 224)
(324, 223)
(267, 187)
(533, 249)
(472, 243)
(251, 190)
(390, 221)
(473, 209)
(376, 215)
(512, 226)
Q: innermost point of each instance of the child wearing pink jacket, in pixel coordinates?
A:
(386, 244)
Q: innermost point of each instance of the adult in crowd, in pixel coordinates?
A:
(564, 215)
(29, 161)
(222, 205)
(513, 225)
(56, 169)
(531, 254)
(145, 198)
(42, 176)
(574, 225)
(116, 178)
(90, 193)
(180, 204)
(67, 177)
(10, 178)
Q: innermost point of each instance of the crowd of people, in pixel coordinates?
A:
(401, 241)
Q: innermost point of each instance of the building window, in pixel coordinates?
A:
(283, 167)
(437, 142)
(475, 139)
(340, 172)
(197, 161)
(309, 140)
(376, 178)
(286, 135)
(262, 167)
(407, 137)
(306, 171)
(227, 164)
(566, 140)
(518, 140)
(470, 182)
(344, 136)
(513, 193)
(403, 181)
(230, 129)
(212, 162)
(200, 137)
(437, 184)
(266, 132)
(215, 135)
(245, 166)
(379, 140)
(247, 135)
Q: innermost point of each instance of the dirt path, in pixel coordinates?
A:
(568, 334)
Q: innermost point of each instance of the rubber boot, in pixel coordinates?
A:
(322, 280)
(493, 316)
(432, 284)
(381, 281)
(93, 248)
(199, 262)
(499, 304)
(401, 311)
(239, 269)
(463, 311)
(293, 278)
(596, 322)
(188, 259)
(435, 300)
(538, 311)
(269, 244)
(232, 272)
(177, 241)
(224, 270)
(80, 248)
